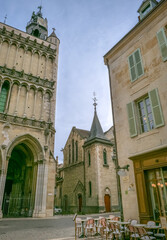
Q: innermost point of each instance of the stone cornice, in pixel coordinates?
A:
(23, 77)
(26, 122)
(28, 41)
(97, 140)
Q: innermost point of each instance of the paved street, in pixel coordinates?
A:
(58, 227)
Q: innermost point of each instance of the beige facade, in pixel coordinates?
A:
(28, 80)
(137, 72)
(87, 181)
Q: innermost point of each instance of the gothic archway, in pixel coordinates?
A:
(21, 177)
(19, 193)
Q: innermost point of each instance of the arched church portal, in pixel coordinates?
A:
(19, 192)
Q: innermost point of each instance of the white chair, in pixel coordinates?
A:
(150, 224)
(78, 226)
(133, 222)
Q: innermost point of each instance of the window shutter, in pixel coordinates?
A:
(162, 43)
(156, 108)
(139, 66)
(132, 68)
(131, 119)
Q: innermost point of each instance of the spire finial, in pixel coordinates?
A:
(5, 18)
(95, 101)
(53, 29)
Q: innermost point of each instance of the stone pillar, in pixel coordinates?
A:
(25, 107)
(46, 62)
(16, 55)
(32, 53)
(3, 173)
(17, 101)
(7, 56)
(41, 190)
(34, 105)
(42, 105)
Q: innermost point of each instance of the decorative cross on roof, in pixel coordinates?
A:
(95, 100)
(5, 18)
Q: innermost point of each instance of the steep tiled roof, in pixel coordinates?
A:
(96, 129)
(83, 133)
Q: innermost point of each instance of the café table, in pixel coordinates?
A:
(82, 228)
(123, 224)
(96, 225)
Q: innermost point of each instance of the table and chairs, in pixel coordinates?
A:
(112, 228)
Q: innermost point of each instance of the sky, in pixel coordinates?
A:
(87, 30)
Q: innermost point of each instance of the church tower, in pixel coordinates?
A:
(100, 174)
(28, 82)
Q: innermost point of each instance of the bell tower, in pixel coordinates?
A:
(38, 26)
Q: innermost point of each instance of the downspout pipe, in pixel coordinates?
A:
(116, 152)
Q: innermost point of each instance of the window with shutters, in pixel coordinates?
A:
(135, 65)
(145, 114)
(4, 95)
(162, 42)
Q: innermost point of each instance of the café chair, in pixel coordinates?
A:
(90, 226)
(143, 234)
(78, 226)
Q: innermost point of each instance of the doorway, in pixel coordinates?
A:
(80, 202)
(19, 193)
(107, 203)
(157, 185)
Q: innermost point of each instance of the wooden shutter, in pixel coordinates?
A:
(131, 119)
(156, 108)
(162, 41)
(138, 61)
(135, 65)
(132, 68)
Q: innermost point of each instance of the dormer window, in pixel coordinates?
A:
(146, 7)
(146, 10)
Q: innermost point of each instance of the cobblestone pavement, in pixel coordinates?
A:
(56, 228)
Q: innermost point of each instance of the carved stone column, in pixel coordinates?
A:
(42, 105)
(7, 56)
(41, 190)
(45, 73)
(16, 55)
(34, 105)
(18, 96)
(32, 53)
(3, 173)
(25, 107)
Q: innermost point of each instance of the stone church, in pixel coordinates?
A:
(87, 181)
(28, 80)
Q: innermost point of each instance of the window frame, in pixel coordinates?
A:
(104, 156)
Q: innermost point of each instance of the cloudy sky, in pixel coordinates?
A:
(87, 30)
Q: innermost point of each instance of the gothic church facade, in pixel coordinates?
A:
(28, 80)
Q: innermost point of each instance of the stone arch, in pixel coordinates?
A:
(22, 154)
(31, 142)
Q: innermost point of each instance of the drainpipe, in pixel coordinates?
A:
(115, 159)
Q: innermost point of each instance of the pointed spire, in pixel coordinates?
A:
(96, 129)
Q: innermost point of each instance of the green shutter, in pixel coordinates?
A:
(132, 68)
(131, 119)
(162, 41)
(135, 65)
(139, 66)
(156, 108)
